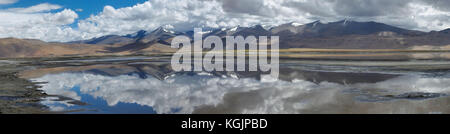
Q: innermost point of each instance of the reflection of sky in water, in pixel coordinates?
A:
(200, 93)
(178, 94)
(95, 105)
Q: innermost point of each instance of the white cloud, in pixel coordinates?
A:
(64, 17)
(44, 7)
(187, 14)
(183, 15)
(245, 95)
(2, 2)
(37, 23)
(150, 15)
(184, 92)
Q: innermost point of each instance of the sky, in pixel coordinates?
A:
(69, 20)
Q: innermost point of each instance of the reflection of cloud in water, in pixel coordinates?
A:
(210, 94)
(412, 83)
(185, 92)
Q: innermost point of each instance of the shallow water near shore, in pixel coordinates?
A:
(148, 85)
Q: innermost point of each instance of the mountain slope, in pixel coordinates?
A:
(12, 47)
(341, 34)
(339, 28)
(354, 35)
(21, 48)
(109, 39)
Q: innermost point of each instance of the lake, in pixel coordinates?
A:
(148, 85)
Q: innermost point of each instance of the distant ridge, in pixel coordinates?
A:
(346, 34)
(343, 34)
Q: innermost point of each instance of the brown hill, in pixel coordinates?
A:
(19, 48)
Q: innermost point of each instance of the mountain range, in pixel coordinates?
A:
(345, 34)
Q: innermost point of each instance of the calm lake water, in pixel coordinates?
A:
(149, 86)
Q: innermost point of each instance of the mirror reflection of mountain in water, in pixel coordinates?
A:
(153, 88)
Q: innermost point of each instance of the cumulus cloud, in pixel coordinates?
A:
(180, 92)
(184, 15)
(37, 22)
(202, 93)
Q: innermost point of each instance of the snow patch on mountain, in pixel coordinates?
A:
(295, 24)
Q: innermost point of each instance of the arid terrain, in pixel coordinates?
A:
(23, 48)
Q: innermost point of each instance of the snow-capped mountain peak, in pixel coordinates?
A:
(295, 24)
(165, 29)
(234, 29)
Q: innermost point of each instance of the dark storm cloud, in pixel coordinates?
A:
(316, 8)
(367, 8)
(364, 8)
(439, 4)
(411, 14)
(242, 6)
